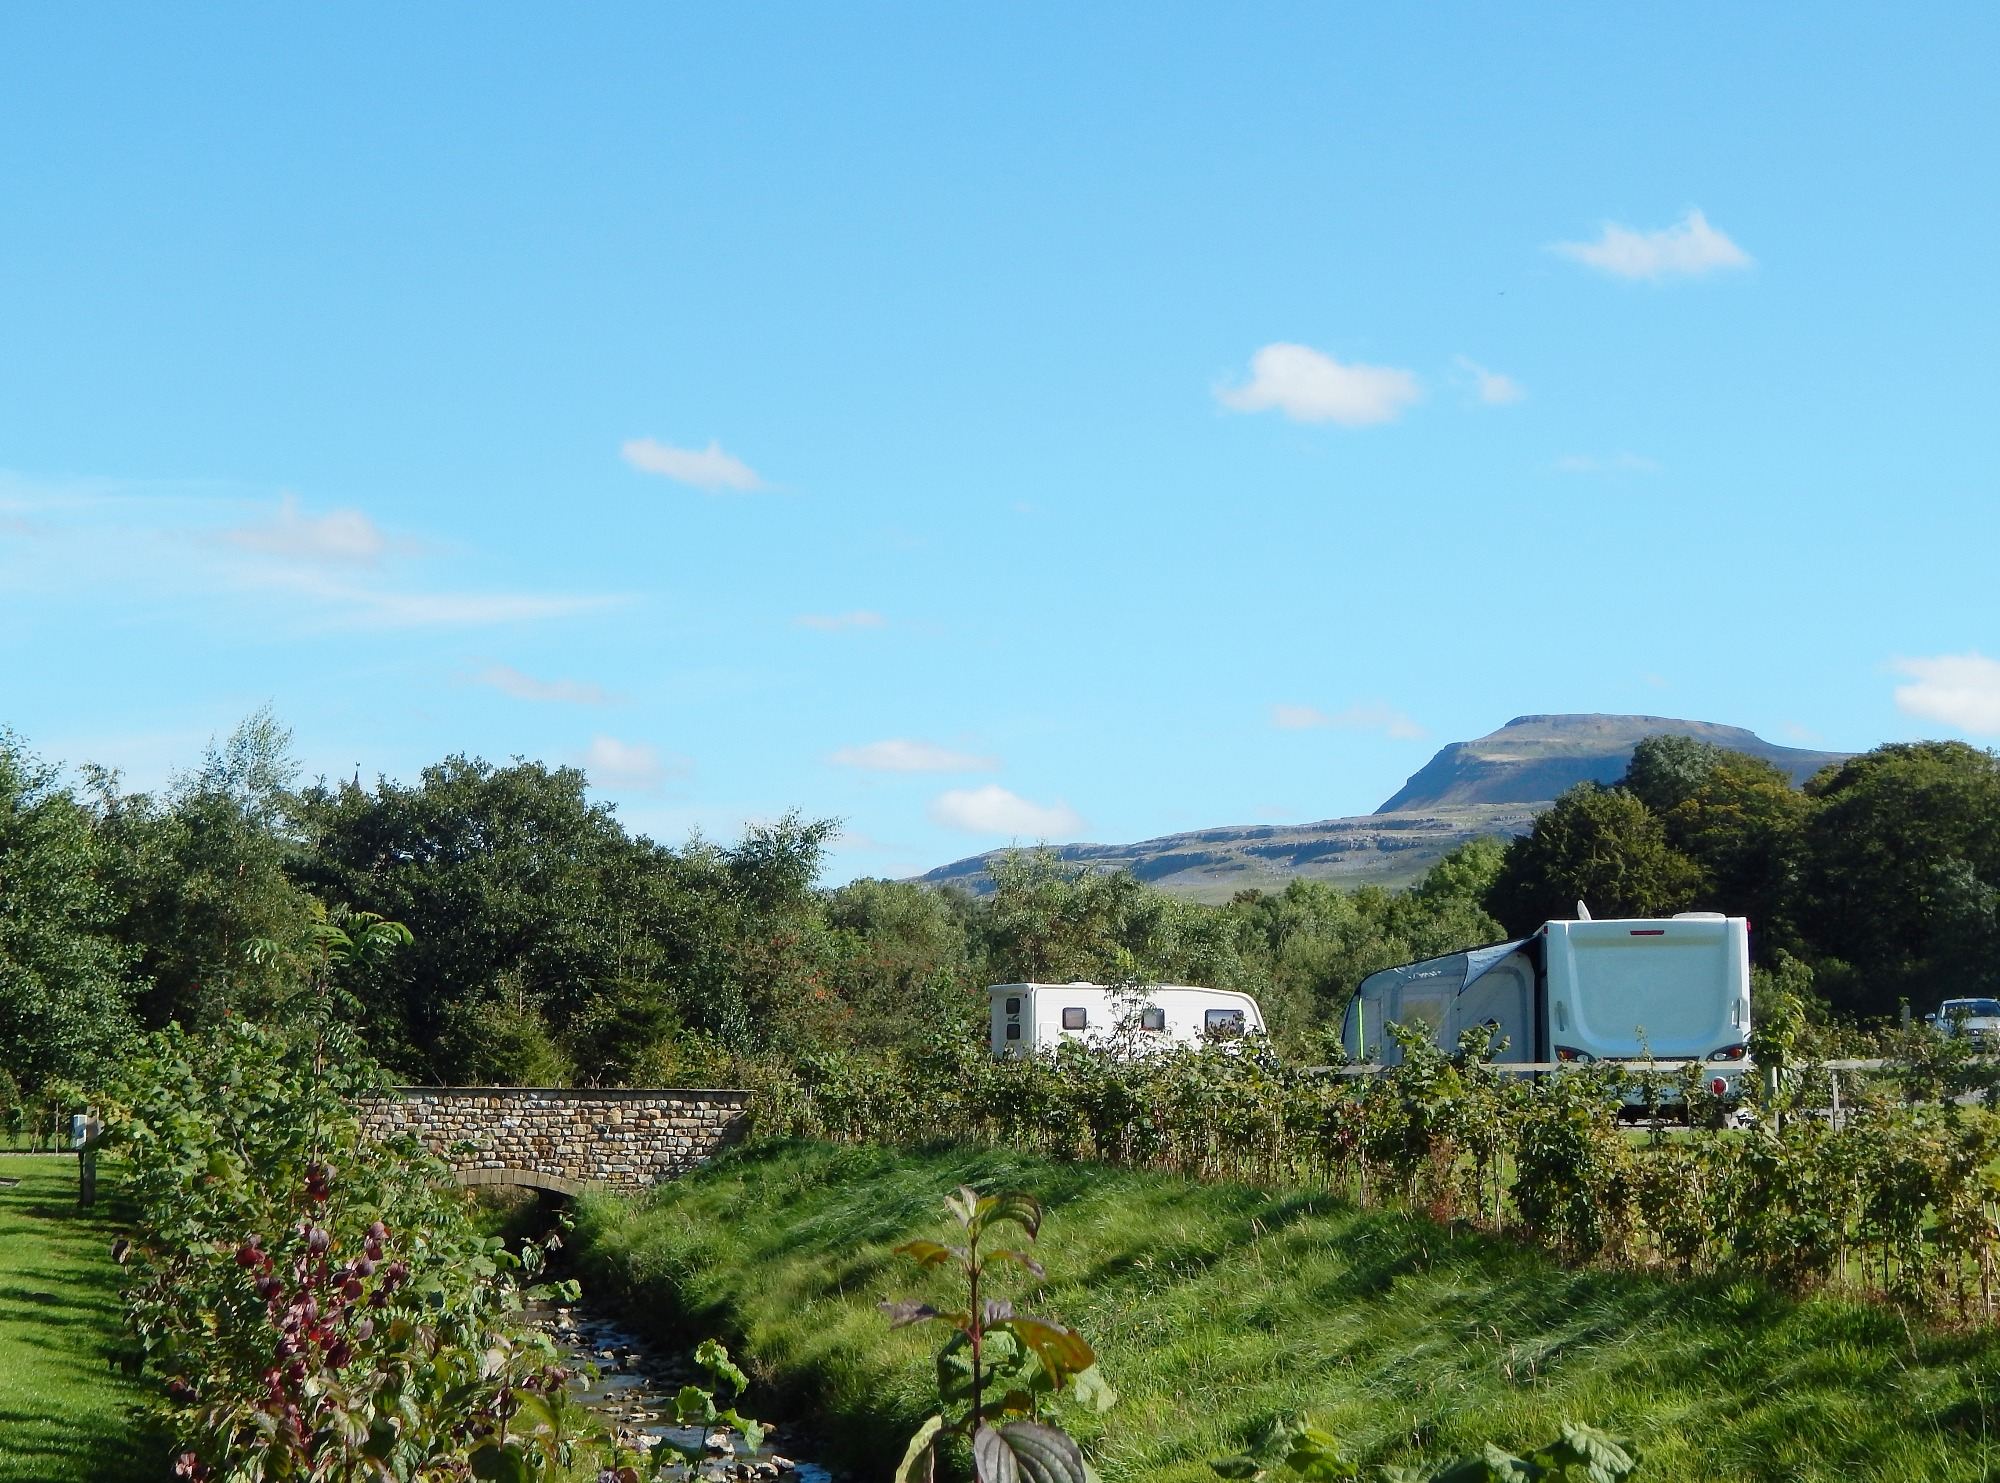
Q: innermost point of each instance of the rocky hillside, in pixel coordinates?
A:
(1495, 785)
(1534, 758)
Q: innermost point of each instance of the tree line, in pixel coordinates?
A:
(553, 945)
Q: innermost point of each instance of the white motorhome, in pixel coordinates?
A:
(1677, 988)
(1032, 1017)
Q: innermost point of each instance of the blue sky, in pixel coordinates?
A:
(991, 424)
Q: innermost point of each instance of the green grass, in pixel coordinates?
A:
(66, 1416)
(1214, 1306)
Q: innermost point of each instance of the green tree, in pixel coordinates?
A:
(65, 991)
(1739, 819)
(1598, 845)
(196, 874)
(1902, 857)
(518, 888)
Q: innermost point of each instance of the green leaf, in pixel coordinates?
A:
(1089, 1388)
(1063, 1351)
(919, 1459)
(1025, 1452)
(712, 1357)
(752, 1429)
(499, 1462)
(1603, 1457)
(1240, 1466)
(930, 1253)
(694, 1406)
(1017, 1206)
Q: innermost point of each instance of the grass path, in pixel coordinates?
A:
(65, 1415)
(1215, 1306)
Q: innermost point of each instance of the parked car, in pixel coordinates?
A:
(1978, 1020)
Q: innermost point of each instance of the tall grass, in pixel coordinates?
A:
(66, 1416)
(1216, 1305)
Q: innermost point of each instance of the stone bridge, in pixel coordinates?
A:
(565, 1139)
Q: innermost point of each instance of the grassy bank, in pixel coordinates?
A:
(1214, 1306)
(66, 1416)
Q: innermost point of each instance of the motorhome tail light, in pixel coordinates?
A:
(1727, 1053)
(1717, 1087)
(1571, 1053)
(1649, 931)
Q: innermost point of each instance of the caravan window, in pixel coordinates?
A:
(1223, 1022)
(1153, 1018)
(1076, 1019)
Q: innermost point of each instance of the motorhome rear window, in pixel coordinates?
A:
(1152, 1017)
(1223, 1021)
(1076, 1019)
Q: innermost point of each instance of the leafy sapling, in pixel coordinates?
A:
(999, 1369)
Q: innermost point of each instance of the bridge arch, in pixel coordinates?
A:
(483, 1178)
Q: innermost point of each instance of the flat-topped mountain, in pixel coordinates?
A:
(1494, 785)
(1533, 759)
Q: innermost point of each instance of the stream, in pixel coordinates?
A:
(634, 1392)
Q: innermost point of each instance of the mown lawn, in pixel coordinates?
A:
(66, 1416)
(1216, 1306)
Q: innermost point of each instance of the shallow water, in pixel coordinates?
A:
(634, 1391)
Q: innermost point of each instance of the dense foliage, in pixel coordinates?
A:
(1901, 1197)
(1881, 876)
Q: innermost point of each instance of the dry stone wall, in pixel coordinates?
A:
(561, 1138)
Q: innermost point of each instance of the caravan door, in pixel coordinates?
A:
(1502, 999)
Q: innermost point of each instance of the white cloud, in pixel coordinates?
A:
(1616, 463)
(898, 755)
(510, 681)
(993, 810)
(353, 605)
(1961, 690)
(1494, 389)
(1308, 385)
(861, 618)
(339, 536)
(708, 469)
(1373, 715)
(1687, 249)
(611, 763)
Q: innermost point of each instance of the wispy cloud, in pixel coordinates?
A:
(859, 619)
(1494, 389)
(630, 766)
(510, 681)
(992, 810)
(1616, 463)
(709, 469)
(1687, 249)
(1373, 715)
(899, 755)
(341, 537)
(1961, 690)
(1308, 385)
(262, 564)
(346, 604)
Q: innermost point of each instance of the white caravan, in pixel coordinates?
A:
(1032, 1017)
(1677, 988)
